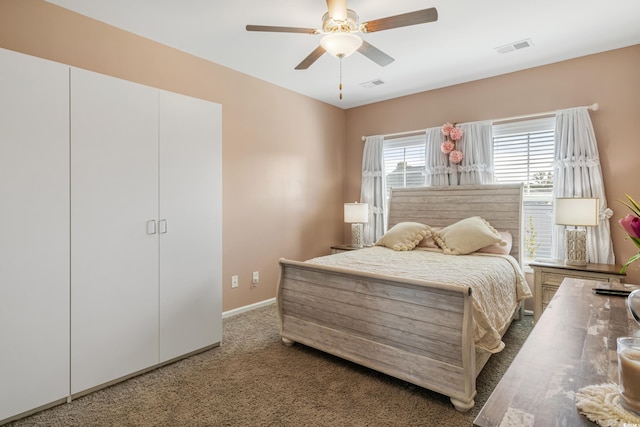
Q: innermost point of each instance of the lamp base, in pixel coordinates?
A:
(575, 247)
(356, 235)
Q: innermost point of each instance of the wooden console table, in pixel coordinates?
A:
(572, 345)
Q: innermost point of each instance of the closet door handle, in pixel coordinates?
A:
(162, 224)
(151, 226)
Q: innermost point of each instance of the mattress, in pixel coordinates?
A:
(497, 281)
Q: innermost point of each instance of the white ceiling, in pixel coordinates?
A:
(457, 48)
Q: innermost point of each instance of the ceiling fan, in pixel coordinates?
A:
(340, 27)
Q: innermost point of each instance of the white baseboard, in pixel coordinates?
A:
(249, 307)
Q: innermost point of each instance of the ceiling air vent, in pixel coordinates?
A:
(372, 83)
(514, 46)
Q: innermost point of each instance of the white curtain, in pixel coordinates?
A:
(477, 161)
(477, 149)
(577, 173)
(373, 188)
(438, 171)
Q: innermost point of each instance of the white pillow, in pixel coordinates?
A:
(497, 248)
(466, 236)
(404, 236)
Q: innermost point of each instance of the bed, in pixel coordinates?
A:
(423, 330)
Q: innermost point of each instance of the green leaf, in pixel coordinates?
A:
(631, 260)
(631, 208)
(634, 207)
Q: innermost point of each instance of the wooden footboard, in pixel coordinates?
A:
(413, 330)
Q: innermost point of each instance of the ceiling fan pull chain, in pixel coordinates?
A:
(340, 76)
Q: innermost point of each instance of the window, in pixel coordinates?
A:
(404, 161)
(523, 152)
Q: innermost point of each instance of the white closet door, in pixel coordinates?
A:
(34, 232)
(190, 202)
(114, 269)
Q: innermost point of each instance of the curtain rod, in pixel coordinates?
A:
(593, 107)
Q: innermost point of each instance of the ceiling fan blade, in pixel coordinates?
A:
(309, 60)
(337, 9)
(271, 29)
(375, 54)
(403, 20)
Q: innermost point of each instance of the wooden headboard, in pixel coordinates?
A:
(500, 204)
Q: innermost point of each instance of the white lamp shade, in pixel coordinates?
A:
(356, 213)
(340, 44)
(577, 211)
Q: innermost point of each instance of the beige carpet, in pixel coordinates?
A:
(254, 380)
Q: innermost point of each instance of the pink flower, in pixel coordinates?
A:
(455, 133)
(446, 128)
(631, 225)
(447, 146)
(455, 156)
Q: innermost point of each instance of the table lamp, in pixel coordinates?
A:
(579, 213)
(356, 214)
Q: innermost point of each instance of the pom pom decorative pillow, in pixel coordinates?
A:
(404, 236)
(467, 235)
(429, 241)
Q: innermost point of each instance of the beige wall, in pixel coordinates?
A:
(610, 78)
(285, 169)
(283, 153)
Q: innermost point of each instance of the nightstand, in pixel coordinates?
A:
(343, 248)
(548, 275)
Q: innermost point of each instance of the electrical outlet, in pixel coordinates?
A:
(234, 281)
(256, 277)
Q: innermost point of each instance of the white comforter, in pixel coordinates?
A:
(497, 281)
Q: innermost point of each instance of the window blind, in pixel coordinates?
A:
(523, 153)
(404, 161)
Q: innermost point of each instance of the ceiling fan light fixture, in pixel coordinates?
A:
(341, 45)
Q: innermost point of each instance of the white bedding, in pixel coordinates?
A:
(497, 281)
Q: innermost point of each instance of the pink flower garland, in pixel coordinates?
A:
(455, 156)
(447, 146)
(452, 134)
